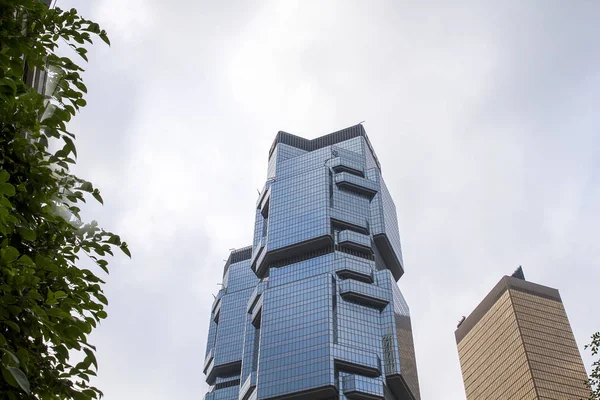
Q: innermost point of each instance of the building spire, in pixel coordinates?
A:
(519, 273)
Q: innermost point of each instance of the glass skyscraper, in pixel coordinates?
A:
(311, 310)
(518, 344)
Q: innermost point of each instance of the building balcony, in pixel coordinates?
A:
(255, 296)
(255, 317)
(217, 300)
(257, 249)
(209, 357)
(357, 184)
(351, 269)
(258, 255)
(217, 368)
(364, 293)
(341, 164)
(248, 387)
(346, 220)
(355, 241)
(209, 370)
(357, 361)
(264, 203)
(266, 256)
(260, 265)
(358, 387)
(263, 193)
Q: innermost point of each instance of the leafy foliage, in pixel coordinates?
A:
(594, 379)
(48, 305)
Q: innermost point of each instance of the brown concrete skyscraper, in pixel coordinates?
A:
(518, 344)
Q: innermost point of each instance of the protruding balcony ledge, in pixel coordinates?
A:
(208, 370)
(263, 193)
(357, 361)
(248, 387)
(217, 311)
(346, 220)
(264, 204)
(364, 293)
(261, 264)
(255, 296)
(358, 184)
(389, 256)
(358, 387)
(209, 357)
(351, 269)
(214, 370)
(258, 251)
(341, 164)
(354, 240)
(217, 300)
(256, 312)
(399, 387)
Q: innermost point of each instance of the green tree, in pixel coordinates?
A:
(594, 379)
(49, 304)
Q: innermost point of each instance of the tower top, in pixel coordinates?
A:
(323, 141)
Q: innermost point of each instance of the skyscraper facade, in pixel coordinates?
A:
(312, 310)
(518, 344)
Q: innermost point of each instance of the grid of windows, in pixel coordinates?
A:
(351, 206)
(384, 219)
(554, 359)
(522, 347)
(298, 209)
(404, 336)
(492, 356)
(296, 331)
(324, 318)
(229, 341)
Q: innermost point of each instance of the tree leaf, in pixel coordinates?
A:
(8, 377)
(25, 260)
(57, 312)
(4, 176)
(12, 325)
(86, 187)
(114, 239)
(70, 145)
(9, 254)
(62, 351)
(92, 357)
(125, 249)
(93, 27)
(14, 310)
(96, 194)
(60, 294)
(21, 379)
(73, 332)
(79, 85)
(27, 234)
(101, 297)
(104, 37)
(13, 356)
(7, 189)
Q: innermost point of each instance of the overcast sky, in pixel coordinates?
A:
(484, 117)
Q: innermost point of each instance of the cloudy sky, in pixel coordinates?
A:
(484, 117)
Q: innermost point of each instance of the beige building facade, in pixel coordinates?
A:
(518, 344)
